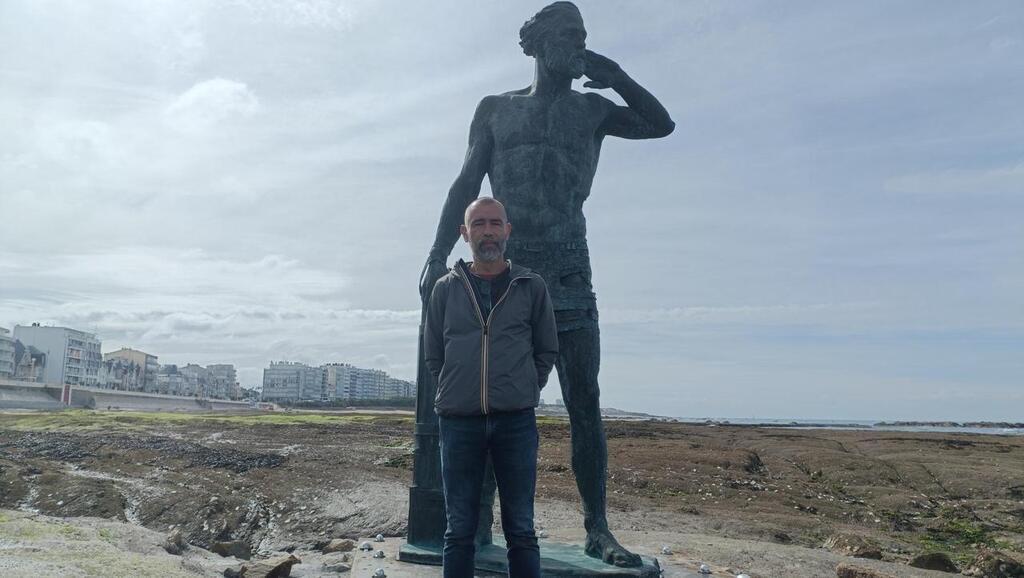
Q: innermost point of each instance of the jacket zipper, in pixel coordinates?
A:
(483, 344)
(485, 338)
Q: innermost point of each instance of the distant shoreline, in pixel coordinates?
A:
(987, 427)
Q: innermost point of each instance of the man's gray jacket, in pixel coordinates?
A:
(494, 364)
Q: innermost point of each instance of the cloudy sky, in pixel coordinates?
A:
(834, 230)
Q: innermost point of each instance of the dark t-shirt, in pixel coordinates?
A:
(489, 290)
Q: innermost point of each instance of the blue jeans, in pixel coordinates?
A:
(511, 440)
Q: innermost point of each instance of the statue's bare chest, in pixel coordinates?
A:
(565, 124)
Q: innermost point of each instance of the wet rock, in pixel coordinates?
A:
(274, 567)
(935, 561)
(233, 548)
(336, 568)
(175, 543)
(995, 564)
(844, 570)
(339, 546)
(855, 546)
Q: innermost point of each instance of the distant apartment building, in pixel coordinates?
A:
(289, 381)
(72, 357)
(292, 381)
(170, 381)
(223, 381)
(7, 358)
(369, 384)
(339, 380)
(121, 374)
(196, 380)
(147, 366)
(394, 388)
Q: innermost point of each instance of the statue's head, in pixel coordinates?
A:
(555, 36)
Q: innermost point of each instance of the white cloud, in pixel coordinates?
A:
(210, 102)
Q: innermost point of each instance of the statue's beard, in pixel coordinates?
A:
(569, 63)
(489, 250)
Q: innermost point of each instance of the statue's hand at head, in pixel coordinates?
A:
(602, 71)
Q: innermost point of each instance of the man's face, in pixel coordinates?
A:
(565, 45)
(486, 230)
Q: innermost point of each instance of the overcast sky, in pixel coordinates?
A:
(834, 230)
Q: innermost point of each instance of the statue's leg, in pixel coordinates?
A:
(579, 360)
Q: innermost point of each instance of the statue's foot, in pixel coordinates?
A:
(601, 544)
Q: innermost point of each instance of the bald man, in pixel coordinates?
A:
(490, 342)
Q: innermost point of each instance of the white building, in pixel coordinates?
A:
(292, 381)
(72, 357)
(7, 360)
(394, 388)
(339, 380)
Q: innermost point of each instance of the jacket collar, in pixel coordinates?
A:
(461, 269)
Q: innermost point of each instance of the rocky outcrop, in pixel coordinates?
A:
(175, 543)
(845, 570)
(233, 548)
(339, 546)
(855, 546)
(995, 564)
(273, 567)
(935, 561)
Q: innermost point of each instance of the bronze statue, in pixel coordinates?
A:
(540, 146)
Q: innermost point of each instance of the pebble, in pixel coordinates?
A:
(705, 569)
(366, 546)
(379, 538)
(666, 550)
(378, 554)
(379, 573)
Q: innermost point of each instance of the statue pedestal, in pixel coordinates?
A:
(556, 560)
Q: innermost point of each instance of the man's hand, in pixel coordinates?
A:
(602, 71)
(432, 271)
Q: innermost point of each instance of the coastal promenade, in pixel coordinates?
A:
(30, 395)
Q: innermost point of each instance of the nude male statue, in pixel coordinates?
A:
(540, 146)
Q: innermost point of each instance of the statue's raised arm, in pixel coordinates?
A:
(645, 117)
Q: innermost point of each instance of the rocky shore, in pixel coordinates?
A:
(950, 424)
(763, 501)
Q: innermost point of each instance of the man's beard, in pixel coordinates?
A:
(489, 250)
(567, 62)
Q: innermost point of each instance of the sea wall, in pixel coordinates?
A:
(27, 395)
